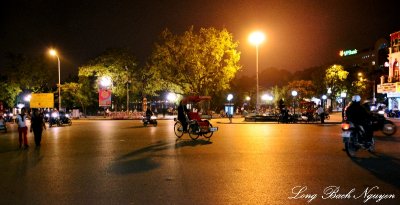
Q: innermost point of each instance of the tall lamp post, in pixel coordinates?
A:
(53, 52)
(256, 38)
(324, 97)
(294, 94)
(230, 107)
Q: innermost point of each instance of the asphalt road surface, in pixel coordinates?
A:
(122, 162)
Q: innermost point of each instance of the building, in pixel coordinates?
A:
(390, 84)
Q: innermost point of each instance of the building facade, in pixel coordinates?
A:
(390, 84)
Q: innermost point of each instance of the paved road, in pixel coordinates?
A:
(122, 162)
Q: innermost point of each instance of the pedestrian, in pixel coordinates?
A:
(22, 129)
(321, 114)
(37, 126)
(182, 115)
(229, 116)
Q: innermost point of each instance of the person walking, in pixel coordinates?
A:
(22, 129)
(37, 126)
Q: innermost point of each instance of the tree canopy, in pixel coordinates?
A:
(335, 77)
(201, 62)
(120, 66)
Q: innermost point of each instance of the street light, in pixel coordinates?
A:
(256, 38)
(105, 81)
(171, 97)
(267, 98)
(294, 94)
(343, 96)
(324, 97)
(53, 52)
(230, 111)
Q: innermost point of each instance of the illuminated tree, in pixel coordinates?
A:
(9, 93)
(335, 77)
(196, 63)
(304, 88)
(79, 94)
(120, 66)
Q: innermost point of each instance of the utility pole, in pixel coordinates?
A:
(127, 92)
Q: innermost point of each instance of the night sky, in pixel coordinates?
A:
(300, 34)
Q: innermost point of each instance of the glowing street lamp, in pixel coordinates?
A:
(171, 97)
(324, 97)
(105, 81)
(256, 38)
(294, 94)
(53, 52)
(27, 98)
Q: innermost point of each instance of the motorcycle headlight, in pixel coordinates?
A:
(381, 112)
(47, 115)
(67, 115)
(153, 117)
(54, 114)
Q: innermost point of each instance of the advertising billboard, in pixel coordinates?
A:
(42, 100)
(104, 97)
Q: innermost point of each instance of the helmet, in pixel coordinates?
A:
(356, 98)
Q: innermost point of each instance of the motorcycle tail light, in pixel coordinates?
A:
(345, 126)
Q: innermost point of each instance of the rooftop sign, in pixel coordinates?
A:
(348, 52)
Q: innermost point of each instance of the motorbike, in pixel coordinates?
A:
(152, 120)
(54, 119)
(59, 119)
(354, 139)
(379, 122)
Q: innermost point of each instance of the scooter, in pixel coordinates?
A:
(149, 120)
(379, 122)
(354, 139)
(54, 119)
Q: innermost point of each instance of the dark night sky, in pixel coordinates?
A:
(300, 34)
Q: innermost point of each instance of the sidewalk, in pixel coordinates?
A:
(335, 118)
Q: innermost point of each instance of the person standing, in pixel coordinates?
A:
(22, 129)
(182, 115)
(321, 114)
(37, 126)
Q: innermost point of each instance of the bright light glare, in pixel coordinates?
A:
(53, 52)
(28, 98)
(294, 93)
(171, 97)
(230, 97)
(256, 38)
(105, 81)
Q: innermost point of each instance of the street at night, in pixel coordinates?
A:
(122, 162)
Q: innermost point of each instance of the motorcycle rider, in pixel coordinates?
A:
(356, 113)
(149, 113)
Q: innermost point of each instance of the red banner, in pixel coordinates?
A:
(104, 97)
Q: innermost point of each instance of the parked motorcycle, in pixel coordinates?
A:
(354, 139)
(379, 122)
(152, 120)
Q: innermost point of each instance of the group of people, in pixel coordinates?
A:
(37, 127)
